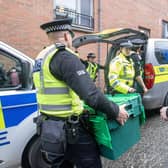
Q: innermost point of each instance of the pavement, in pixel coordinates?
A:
(150, 152)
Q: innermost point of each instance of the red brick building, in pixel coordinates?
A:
(20, 20)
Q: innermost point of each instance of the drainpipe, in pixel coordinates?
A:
(99, 46)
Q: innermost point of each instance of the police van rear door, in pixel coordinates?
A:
(111, 36)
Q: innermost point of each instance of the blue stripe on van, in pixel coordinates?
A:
(2, 133)
(18, 99)
(5, 143)
(14, 115)
(2, 138)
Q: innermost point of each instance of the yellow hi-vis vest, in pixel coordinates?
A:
(92, 70)
(121, 74)
(54, 97)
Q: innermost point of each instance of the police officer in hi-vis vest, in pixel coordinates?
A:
(62, 82)
(122, 71)
(91, 66)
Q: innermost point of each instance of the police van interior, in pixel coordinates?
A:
(154, 61)
(15, 72)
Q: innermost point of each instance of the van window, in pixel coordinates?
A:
(161, 51)
(10, 72)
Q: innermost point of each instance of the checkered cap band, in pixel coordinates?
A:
(57, 28)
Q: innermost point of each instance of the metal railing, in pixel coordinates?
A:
(79, 20)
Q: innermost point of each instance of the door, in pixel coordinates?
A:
(18, 104)
(109, 36)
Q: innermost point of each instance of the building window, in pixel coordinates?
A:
(144, 30)
(165, 29)
(81, 11)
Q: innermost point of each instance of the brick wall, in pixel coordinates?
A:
(134, 13)
(19, 24)
(20, 20)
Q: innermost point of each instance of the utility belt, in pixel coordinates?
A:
(71, 124)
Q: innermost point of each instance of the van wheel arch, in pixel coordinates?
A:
(32, 157)
(165, 103)
(25, 160)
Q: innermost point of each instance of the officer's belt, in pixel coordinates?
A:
(49, 117)
(74, 117)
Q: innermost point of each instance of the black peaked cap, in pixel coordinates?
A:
(91, 55)
(127, 44)
(57, 25)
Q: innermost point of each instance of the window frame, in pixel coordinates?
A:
(16, 60)
(145, 30)
(76, 16)
(164, 22)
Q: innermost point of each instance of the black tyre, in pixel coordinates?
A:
(166, 100)
(33, 157)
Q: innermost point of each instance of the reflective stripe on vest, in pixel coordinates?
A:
(55, 107)
(115, 84)
(54, 90)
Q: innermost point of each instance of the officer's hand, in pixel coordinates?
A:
(131, 90)
(163, 115)
(145, 90)
(123, 115)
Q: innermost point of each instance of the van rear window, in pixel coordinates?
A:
(161, 51)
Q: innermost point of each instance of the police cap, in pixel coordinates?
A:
(58, 25)
(91, 55)
(127, 44)
(138, 42)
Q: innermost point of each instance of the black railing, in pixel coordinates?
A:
(79, 20)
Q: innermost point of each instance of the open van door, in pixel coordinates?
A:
(112, 37)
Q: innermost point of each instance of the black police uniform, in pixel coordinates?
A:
(137, 59)
(67, 67)
(137, 63)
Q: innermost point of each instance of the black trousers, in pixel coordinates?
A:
(83, 154)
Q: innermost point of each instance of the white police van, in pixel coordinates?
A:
(19, 144)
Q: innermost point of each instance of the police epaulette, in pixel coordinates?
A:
(60, 46)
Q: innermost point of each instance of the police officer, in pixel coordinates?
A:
(122, 71)
(137, 59)
(91, 66)
(61, 81)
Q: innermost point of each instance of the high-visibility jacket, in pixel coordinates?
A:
(92, 69)
(54, 96)
(121, 73)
